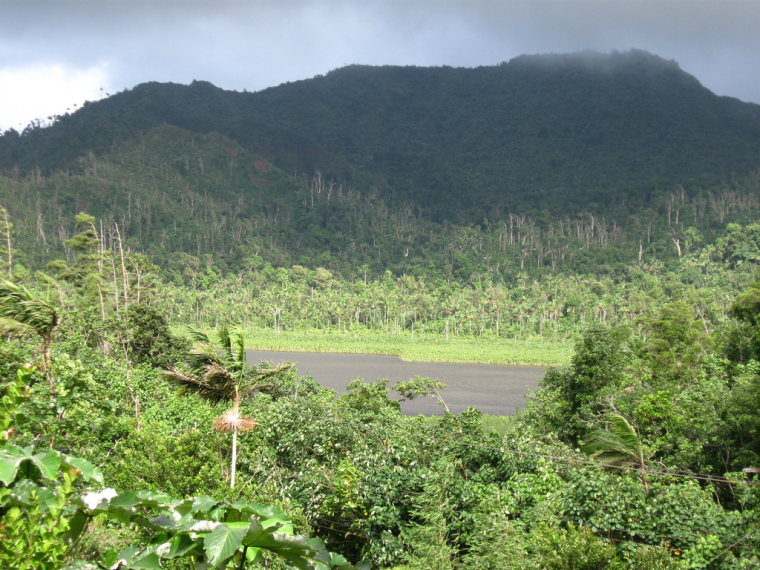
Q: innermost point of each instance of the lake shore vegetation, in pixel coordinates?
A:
(593, 212)
(637, 453)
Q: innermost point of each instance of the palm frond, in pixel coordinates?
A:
(19, 304)
(223, 334)
(619, 444)
(12, 327)
(182, 378)
(197, 335)
(203, 355)
(189, 384)
(51, 282)
(254, 383)
(41, 314)
(240, 347)
(215, 372)
(625, 433)
(221, 381)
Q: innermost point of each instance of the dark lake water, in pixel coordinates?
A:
(493, 389)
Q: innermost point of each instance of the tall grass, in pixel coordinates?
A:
(534, 352)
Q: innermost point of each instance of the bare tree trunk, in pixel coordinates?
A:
(233, 461)
(644, 479)
(6, 228)
(124, 274)
(115, 285)
(47, 360)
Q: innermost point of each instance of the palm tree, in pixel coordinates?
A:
(619, 446)
(221, 373)
(22, 314)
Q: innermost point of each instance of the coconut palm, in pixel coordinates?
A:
(22, 314)
(619, 446)
(219, 372)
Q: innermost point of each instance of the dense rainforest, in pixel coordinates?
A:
(608, 201)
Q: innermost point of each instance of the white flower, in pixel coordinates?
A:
(92, 500)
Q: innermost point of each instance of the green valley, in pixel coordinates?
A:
(595, 213)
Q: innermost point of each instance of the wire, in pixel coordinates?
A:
(363, 429)
(742, 539)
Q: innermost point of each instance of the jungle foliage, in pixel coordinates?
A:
(633, 456)
(605, 201)
(583, 163)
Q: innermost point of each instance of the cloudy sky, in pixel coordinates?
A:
(55, 54)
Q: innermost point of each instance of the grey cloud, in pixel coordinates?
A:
(253, 44)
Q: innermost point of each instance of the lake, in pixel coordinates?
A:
(493, 389)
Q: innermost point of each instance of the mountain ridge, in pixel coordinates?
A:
(556, 132)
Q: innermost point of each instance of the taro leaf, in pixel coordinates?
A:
(269, 512)
(121, 507)
(222, 542)
(203, 526)
(154, 499)
(324, 559)
(180, 546)
(113, 558)
(253, 555)
(77, 524)
(184, 507)
(256, 533)
(278, 525)
(143, 558)
(48, 462)
(295, 549)
(89, 471)
(146, 562)
(339, 562)
(10, 459)
(162, 522)
(203, 504)
(273, 516)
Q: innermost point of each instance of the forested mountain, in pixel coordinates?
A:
(610, 200)
(580, 131)
(535, 161)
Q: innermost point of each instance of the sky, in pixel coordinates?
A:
(56, 54)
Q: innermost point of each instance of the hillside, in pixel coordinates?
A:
(598, 129)
(371, 165)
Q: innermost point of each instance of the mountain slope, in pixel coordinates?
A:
(560, 132)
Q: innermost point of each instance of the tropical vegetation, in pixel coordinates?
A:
(151, 238)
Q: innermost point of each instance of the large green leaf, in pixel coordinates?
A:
(155, 499)
(77, 524)
(269, 512)
(48, 462)
(222, 543)
(162, 522)
(10, 459)
(181, 545)
(121, 507)
(113, 557)
(89, 471)
(149, 561)
(256, 533)
(204, 503)
(298, 550)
